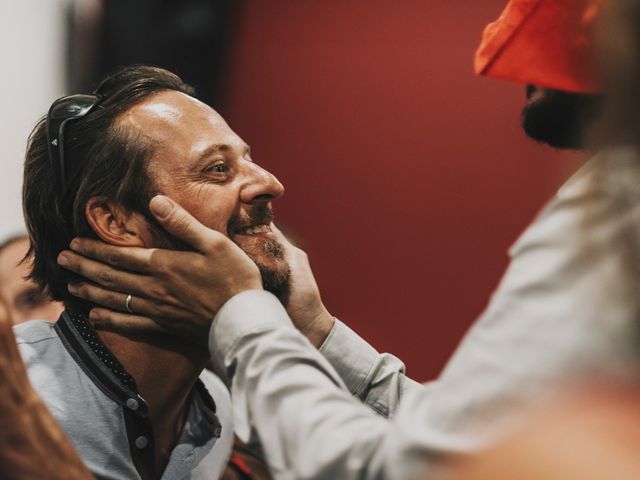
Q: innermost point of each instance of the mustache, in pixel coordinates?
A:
(258, 215)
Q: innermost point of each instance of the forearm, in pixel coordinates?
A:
(289, 395)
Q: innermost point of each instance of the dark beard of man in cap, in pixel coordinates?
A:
(558, 118)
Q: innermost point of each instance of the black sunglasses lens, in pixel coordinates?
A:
(62, 111)
(74, 106)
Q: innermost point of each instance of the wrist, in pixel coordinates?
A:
(319, 328)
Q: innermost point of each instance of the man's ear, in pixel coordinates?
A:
(116, 225)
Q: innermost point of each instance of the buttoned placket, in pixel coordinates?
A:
(121, 388)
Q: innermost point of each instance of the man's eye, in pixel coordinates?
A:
(217, 168)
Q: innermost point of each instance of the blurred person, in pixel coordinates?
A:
(549, 321)
(590, 434)
(24, 299)
(32, 445)
(547, 45)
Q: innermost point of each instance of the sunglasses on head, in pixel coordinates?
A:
(63, 111)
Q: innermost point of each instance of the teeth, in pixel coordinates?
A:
(255, 230)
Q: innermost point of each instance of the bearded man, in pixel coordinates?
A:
(137, 406)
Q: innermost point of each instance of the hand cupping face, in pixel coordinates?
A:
(157, 290)
(303, 303)
(145, 290)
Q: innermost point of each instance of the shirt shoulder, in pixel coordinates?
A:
(34, 331)
(38, 341)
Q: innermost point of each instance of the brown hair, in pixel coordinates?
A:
(113, 164)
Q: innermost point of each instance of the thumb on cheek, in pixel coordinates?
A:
(161, 206)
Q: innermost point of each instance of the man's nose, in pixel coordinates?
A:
(261, 186)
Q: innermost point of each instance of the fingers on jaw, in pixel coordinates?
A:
(111, 320)
(76, 245)
(86, 246)
(66, 260)
(78, 264)
(77, 290)
(96, 294)
(97, 250)
(116, 300)
(99, 315)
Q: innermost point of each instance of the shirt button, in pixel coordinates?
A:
(141, 442)
(132, 404)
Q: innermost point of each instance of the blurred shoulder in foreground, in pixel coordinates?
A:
(588, 435)
(33, 444)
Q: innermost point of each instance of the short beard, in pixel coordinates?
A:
(561, 119)
(274, 281)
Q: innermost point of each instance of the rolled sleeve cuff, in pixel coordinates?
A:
(350, 355)
(247, 312)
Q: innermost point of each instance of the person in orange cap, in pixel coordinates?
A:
(590, 431)
(548, 45)
(543, 42)
(557, 314)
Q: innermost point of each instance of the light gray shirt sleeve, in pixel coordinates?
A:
(309, 424)
(377, 379)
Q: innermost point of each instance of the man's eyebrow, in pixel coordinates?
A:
(220, 148)
(212, 150)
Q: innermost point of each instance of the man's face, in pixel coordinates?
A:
(203, 165)
(559, 119)
(23, 299)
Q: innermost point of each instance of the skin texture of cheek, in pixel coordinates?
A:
(211, 205)
(215, 206)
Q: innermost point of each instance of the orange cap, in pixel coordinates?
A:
(542, 42)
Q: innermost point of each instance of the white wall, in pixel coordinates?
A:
(31, 77)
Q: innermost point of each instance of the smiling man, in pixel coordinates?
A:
(201, 161)
(137, 406)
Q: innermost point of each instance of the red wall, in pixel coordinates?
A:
(407, 177)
